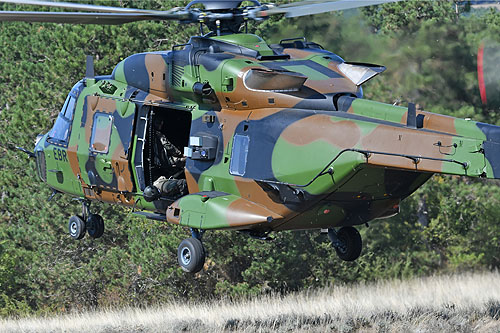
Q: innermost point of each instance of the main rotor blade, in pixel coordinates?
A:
(317, 7)
(82, 7)
(100, 15)
(76, 18)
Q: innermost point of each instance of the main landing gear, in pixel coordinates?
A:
(347, 242)
(191, 253)
(87, 222)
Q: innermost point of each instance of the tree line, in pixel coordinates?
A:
(449, 225)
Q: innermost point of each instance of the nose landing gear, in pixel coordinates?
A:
(347, 243)
(87, 222)
(95, 225)
(76, 227)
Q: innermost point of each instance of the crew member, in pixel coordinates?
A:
(167, 158)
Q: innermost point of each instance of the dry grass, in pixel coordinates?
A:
(464, 303)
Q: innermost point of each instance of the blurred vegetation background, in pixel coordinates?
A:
(449, 225)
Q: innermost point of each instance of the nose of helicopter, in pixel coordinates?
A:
(37, 140)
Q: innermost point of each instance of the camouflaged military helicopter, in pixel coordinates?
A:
(274, 137)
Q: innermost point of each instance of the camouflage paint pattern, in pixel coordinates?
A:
(288, 155)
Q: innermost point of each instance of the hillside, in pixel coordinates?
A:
(468, 302)
(450, 225)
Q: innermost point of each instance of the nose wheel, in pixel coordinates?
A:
(93, 224)
(347, 243)
(76, 227)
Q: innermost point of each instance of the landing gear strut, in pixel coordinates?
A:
(191, 253)
(87, 222)
(347, 243)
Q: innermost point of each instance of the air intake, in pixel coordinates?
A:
(273, 80)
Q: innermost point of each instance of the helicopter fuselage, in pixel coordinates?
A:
(276, 138)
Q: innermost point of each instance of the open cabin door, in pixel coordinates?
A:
(153, 122)
(108, 127)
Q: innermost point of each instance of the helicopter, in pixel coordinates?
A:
(227, 131)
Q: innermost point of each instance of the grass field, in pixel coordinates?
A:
(464, 303)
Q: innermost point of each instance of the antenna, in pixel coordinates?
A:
(89, 71)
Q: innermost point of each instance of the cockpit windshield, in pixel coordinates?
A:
(60, 131)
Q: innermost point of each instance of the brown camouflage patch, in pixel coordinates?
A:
(173, 213)
(121, 169)
(242, 212)
(407, 142)
(191, 182)
(250, 190)
(342, 134)
(73, 160)
(158, 74)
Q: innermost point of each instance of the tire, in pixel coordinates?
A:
(353, 244)
(191, 255)
(95, 225)
(76, 227)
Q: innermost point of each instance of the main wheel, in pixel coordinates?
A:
(191, 255)
(351, 244)
(76, 227)
(95, 225)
